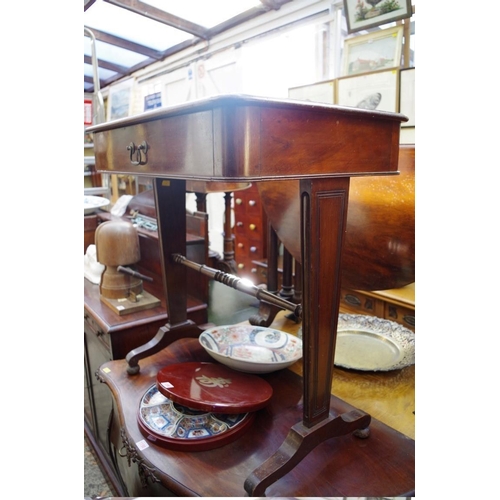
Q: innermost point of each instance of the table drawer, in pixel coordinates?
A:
(181, 145)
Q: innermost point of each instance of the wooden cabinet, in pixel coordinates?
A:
(250, 231)
(108, 336)
(396, 305)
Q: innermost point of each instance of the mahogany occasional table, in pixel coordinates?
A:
(233, 138)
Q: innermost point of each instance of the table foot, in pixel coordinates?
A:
(299, 443)
(164, 337)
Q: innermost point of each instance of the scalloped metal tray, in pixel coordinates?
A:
(373, 344)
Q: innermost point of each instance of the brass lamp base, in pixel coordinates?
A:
(127, 305)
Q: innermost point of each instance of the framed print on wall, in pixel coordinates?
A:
(363, 14)
(120, 100)
(407, 95)
(315, 92)
(378, 90)
(373, 51)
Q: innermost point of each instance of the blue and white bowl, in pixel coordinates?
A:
(251, 349)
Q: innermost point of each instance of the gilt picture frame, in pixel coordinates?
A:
(373, 51)
(373, 91)
(364, 14)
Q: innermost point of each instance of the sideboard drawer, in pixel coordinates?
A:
(400, 314)
(94, 328)
(357, 303)
(379, 304)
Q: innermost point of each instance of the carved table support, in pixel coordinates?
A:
(323, 220)
(170, 197)
(299, 442)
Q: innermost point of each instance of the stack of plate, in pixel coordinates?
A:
(200, 406)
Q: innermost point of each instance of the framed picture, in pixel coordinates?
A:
(407, 95)
(120, 99)
(363, 14)
(373, 51)
(315, 92)
(378, 90)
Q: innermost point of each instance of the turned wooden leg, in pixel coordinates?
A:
(267, 312)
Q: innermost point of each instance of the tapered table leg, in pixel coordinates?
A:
(323, 220)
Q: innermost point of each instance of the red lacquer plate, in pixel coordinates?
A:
(173, 426)
(213, 387)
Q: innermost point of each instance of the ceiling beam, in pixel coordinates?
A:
(161, 16)
(117, 68)
(87, 4)
(273, 4)
(89, 79)
(125, 44)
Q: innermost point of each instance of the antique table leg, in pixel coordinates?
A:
(323, 221)
(170, 196)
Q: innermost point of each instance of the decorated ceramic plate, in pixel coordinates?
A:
(373, 344)
(92, 203)
(251, 349)
(178, 427)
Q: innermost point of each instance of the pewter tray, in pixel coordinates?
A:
(373, 344)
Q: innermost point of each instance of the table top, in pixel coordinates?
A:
(382, 465)
(244, 138)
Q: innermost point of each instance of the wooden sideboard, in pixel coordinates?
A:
(397, 304)
(381, 465)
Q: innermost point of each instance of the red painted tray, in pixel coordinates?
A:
(213, 387)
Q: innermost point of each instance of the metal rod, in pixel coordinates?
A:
(99, 115)
(127, 270)
(240, 284)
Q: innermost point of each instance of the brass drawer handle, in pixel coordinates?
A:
(143, 147)
(352, 299)
(409, 319)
